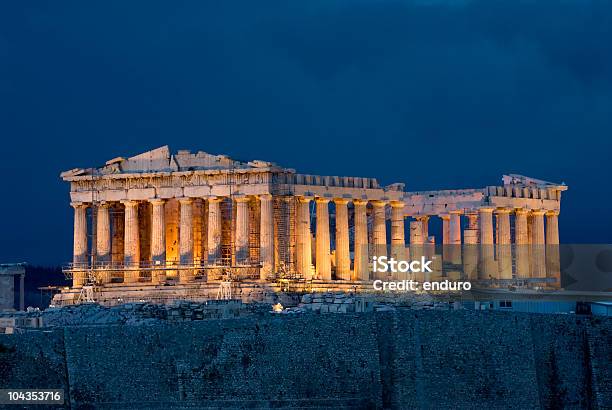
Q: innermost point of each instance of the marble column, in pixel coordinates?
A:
(521, 240)
(131, 242)
(538, 236)
(470, 247)
(361, 271)
(552, 227)
(454, 227)
(158, 240)
(118, 222)
(304, 249)
(343, 256)
(454, 230)
(530, 227)
(538, 244)
(266, 236)
(103, 242)
(487, 265)
(186, 239)
(416, 246)
(242, 230)
(398, 240)
(504, 251)
(416, 233)
(379, 236)
(214, 230)
(446, 248)
(429, 247)
(553, 262)
(103, 234)
(424, 219)
(79, 254)
(323, 257)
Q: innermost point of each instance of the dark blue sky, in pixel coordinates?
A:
(434, 94)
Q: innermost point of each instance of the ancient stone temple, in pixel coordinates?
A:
(190, 219)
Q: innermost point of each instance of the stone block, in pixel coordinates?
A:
(169, 192)
(140, 193)
(197, 191)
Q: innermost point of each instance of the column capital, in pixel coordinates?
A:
(157, 201)
(503, 210)
(360, 201)
(456, 212)
(444, 217)
(79, 204)
(341, 201)
(552, 212)
(397, 204)
(243, 199)
(214, 198)
(378, 203)
(129, 202)
(486, 209)
(264, 197)
(521, 211)
(321, 200)
(538, 212)
(185, 200)
(305, 199)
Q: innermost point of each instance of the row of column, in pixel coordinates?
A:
(529, 230)
(131, 232)
(323, 264)
(494, 253)
(535, 248)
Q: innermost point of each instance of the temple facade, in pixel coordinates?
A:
(160, 218)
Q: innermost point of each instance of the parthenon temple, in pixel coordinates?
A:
(159, 218)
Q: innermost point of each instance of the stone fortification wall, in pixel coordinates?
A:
(399, 359)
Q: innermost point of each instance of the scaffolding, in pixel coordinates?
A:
(227, 268)
(284, 226)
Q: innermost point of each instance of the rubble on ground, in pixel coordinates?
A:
(342, 302)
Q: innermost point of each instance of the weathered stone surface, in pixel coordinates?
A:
(392, 360)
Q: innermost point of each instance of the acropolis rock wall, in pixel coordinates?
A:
(402, 359)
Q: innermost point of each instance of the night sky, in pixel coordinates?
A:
(435, 94)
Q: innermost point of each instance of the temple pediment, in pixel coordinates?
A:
(515, 179)
(162, 160)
